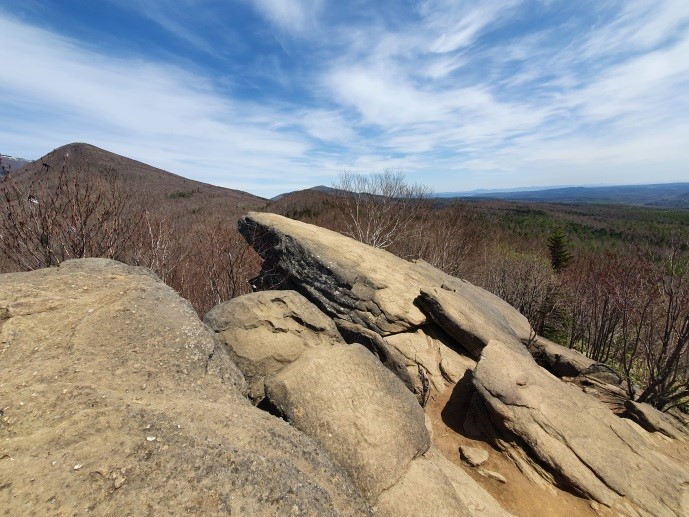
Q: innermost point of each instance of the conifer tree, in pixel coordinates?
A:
(560, 256)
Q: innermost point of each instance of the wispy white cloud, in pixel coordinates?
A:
(291, 15)
(456, 93)
(156, 113)
(455, 25)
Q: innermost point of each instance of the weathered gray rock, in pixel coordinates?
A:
(358, 410)
(473, 456)
(566, 362)
(267, 330)
(575, 438)
(471, 321)
(117, 399)
(352, 281)
(655, 421)
(347, 279)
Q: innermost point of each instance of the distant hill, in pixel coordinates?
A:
(318, 188)
(664, 195)
(163, 190)
(11, 163)
(306, 205)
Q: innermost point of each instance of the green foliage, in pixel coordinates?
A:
(560, 256)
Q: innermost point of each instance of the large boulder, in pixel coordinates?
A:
(573, 438)
(117, 399)
(372, 425)
(358, 410)
(267, 330)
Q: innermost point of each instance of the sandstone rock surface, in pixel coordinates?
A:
(369, 288)
(575, 437)
(552, 430)
(566, 362)
(654, 421)
(116, 399)
(352, 281)
(268, 330)
(373, 426)
(361, 413)
(471, 320)
(473, 456)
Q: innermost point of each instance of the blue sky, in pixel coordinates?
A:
(274, 95)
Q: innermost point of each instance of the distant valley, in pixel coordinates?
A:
(664, 195)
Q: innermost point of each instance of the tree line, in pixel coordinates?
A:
(628, 308)
(81, 212)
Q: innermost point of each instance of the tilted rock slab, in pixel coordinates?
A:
(366, 287)
(655, 421)
(576, 438)
(350, 280)
(116, 399)
(471, 320)
(267, 330)
(567, 362)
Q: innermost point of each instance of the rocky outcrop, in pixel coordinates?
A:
(555, 432)
(116, 399)
(654, 421)
(267, 330)
(565, 434)
(368, 289)
(343, 396)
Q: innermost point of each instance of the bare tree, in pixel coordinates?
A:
(379, 208)
(77, 213)
(447, 237)
(632, 311)
(665, 349)
(160, 246)
(219, 267)
(524, 280)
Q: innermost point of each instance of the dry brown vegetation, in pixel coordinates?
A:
(80, 201)
(625, 303)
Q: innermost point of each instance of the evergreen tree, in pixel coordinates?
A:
(560, 256)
